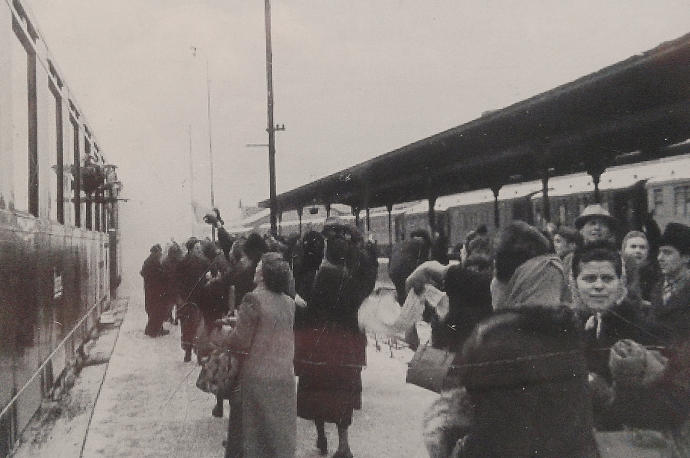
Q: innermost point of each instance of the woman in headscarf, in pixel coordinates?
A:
(264, 342)
(331, 361)
(526, 270)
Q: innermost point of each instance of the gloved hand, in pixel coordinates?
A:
(632, 364)
(214, 218)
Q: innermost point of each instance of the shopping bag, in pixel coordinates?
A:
(218, 374)
(429, 367)
(411, 312)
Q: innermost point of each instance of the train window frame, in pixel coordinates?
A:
(658, 199)
(678, 191)
(29, 197)
(58, 199)
(76, 170)
(87, 197)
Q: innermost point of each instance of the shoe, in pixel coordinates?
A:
(163, 332)
(217, 411)
(187, 356)
(322, 445)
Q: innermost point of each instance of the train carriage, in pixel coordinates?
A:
(59, 250)
(668, 192)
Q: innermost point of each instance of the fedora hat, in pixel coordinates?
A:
(678, 236)
(596, 211)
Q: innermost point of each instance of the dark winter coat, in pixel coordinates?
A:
(405, 258)
(192, 277)
(154, 282)
(215, 291)
(332, 312)
(330, 350)
(523, 391)
(674, 315)
(661, 405)
(469, 298)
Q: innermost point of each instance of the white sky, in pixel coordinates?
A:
(353, 79)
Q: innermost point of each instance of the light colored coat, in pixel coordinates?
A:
(264, 336)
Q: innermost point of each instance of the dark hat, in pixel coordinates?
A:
(678, 236)
(596, 211)
(156, 248)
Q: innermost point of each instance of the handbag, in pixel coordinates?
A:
(218, 375)
(429, 367)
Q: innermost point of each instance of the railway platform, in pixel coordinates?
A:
(144, 402)
(136, 397)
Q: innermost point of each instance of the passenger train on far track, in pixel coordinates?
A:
(629, 192)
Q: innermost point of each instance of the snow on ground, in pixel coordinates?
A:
(149, 405)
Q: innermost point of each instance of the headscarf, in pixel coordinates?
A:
(539, 280)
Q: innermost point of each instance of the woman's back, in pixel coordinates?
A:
(272, 349)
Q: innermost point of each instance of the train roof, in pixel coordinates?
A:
(479, 196)
(255, 217)
(673, 171)
(622, 176)
(238, 229)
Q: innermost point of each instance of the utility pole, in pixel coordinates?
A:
(210, 136)
(271, 129)
(210, 142)
(191, 179)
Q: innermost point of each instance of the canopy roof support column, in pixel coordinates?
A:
(355, 213)
(432, 215)
(545, 195)
(595, 169)
(300, 209)
(389, 207)
(495, 189)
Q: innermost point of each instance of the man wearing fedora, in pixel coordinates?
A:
(594, 224)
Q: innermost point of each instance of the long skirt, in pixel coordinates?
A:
(266, 425)
(330, 394)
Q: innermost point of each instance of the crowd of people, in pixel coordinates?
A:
(292, 305)
(556, 332)
(566, 332)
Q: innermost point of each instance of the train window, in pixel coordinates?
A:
(658, 200)
(56, 187)
(75, 169)
(24, 153)
(681, 200)
(87, 200)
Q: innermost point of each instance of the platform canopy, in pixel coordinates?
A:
(628, 112)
